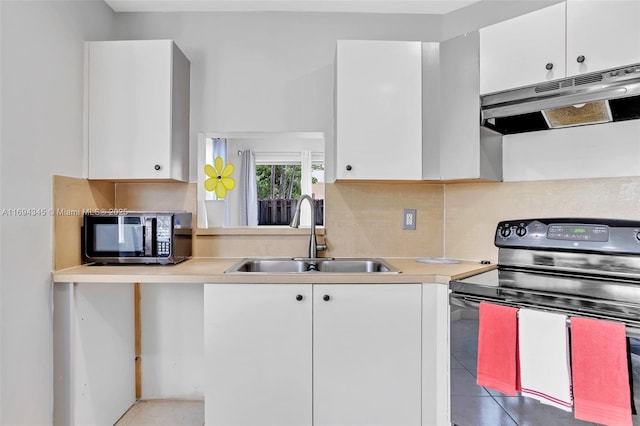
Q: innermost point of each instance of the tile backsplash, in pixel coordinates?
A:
(472, 210)
(365, 218)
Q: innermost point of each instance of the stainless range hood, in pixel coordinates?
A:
(601, 97)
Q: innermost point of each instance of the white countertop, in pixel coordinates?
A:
(211, 270)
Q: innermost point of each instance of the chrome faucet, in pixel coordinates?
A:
(314, 247)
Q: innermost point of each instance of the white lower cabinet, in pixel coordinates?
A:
(436, 355)
(326, 354)
(94, 378)
(257, 354)
(366, 354)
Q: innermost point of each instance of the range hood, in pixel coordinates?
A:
(601, 97)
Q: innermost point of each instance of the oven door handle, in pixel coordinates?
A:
(473, 302)
(463, 302)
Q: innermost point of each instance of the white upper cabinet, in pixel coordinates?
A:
(525, 50)
(379, 110)
(465, 149)
(138, 110)
(602, 35)
(409, 111)
(563, 40)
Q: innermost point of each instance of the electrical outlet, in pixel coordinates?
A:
(409, 219)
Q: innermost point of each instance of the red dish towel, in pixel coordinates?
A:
(600, 371)
(498, 348)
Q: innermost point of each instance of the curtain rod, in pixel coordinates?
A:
(240, 152)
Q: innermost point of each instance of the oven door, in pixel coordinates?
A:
(118, 239)
(570, 294)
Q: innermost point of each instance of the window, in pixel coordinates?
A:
(280, 186)
(286, 166)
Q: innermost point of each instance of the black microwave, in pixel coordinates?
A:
(136, 237)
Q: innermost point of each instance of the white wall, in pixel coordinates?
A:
(487, 12)
(267, 71)
(172, 330)
(42, 90)
(602, 150)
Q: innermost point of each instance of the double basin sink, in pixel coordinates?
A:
(312, 265)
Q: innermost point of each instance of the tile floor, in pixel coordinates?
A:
(171, 412)
(473, 405)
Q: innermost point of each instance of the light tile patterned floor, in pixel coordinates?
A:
(175, 412)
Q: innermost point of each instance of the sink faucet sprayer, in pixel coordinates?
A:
(295, 223)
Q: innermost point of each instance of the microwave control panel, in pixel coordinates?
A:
(163, 235)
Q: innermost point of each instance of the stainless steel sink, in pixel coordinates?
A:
(308, 265)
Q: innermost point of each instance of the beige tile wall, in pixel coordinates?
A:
(473, 210)
(362, 219)
(157, 196)
(71, 198)
(365, 219)
(252, 245)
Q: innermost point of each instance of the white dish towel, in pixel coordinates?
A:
(545, 372)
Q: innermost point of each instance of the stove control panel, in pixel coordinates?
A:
(571, 234)
(578, 232)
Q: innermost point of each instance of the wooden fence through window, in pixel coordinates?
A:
(280, 211)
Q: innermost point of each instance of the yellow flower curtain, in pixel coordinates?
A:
(218, 175)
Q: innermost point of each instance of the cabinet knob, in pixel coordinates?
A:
(549, 66)
(326, 297)
(157, 167)
(580, 59)
(348, 167)
(299, 297)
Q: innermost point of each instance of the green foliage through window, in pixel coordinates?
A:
(278, 181)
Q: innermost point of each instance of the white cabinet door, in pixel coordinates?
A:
(367, 354)
(436, 405)
(466, 150)
(379, 110)
(605, 33)
(518, 52)
(103, 358)
(258, 354)
(138, 110)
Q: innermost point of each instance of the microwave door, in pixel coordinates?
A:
(130, 235)
(115, 237)
(149, 234)
(121, 232)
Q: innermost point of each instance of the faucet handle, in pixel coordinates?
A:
(322, 247)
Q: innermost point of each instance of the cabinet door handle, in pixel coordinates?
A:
(348, 167)
(299, 297)
(326, 297)
(157, 167)
(549, 66)
(580, 59)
